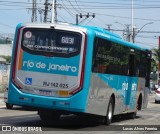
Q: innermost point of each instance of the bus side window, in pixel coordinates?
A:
(110, 57)
(143, 65)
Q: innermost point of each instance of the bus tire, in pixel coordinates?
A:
(132, 115)
(156, 101)
(109, 115)
(9, 106)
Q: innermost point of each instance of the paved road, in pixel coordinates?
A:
(28, 117)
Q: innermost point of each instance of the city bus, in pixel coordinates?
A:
(70, 69)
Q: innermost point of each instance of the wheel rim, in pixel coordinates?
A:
(110, 112)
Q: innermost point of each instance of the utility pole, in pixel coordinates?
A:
(34, 11)
(54, 12)
(40, 12)
(46, 11)
(158, 81)
(81, 16)
(134, 34)
(132, 25)
(128, 33)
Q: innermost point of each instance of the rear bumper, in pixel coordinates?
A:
(75, 103)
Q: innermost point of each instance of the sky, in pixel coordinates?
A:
(146, 16)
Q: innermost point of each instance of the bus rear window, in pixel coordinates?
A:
(51, 42)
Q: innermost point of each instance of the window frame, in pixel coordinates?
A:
(52, 54)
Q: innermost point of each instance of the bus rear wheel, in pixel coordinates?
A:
(109, 115)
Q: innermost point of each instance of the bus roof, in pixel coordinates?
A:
(116, 38)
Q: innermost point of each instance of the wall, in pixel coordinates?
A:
(4, 76)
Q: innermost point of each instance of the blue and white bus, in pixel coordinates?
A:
(62, 69)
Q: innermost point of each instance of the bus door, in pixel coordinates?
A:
(146, 64)
(132, 84)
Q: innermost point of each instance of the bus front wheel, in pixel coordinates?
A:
(109, 115)
(9, 106)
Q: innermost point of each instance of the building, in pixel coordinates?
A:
(6, 49)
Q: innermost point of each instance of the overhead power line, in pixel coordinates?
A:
(123, 17)
(148, 32)
(7, 25)
(78, 6)
(98, 4)
(147, 43)
(111, 4)
(13, 9)
(66, 8)
(113, 7)
(73, 6)
(147, 37)
(139, 1)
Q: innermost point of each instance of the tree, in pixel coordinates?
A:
(156, 57)
(8, 58)
(156, 54)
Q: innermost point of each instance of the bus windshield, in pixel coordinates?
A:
(51, 42)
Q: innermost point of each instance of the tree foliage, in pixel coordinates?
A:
(156, 57)
(8, 58)
(156, 54)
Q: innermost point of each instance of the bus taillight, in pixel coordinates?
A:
(15, 59)
(83, 68)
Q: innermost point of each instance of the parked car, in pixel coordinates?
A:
(157, 96)
(156, 86)
(8, 106)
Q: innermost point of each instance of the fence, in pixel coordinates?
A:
(4, 76)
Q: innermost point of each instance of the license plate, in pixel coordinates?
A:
(45, 92)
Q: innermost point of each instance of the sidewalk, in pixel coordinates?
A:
(2, 104)
(152, 93)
